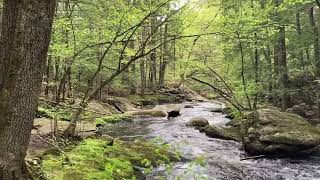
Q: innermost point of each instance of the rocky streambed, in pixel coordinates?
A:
(215, 158)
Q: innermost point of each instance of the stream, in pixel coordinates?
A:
(221, 159)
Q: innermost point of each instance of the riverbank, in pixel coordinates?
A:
(47, 138)
(139, 120)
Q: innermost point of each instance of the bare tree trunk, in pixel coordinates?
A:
(174, 58)
(267, 55)
(47, 77)
(153, 56)
(24, 45)
(316, 42)
(132, 72)
(283, 68)
(299, 30)
(143, 76)
(69, 82)
(56, 96)
(256, 69)
(244, 84)
(166, 55)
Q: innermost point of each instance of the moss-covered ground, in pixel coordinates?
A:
(94, 159)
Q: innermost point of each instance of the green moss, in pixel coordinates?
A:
(93, 159)
(61, 113)
(113, 119)
(55, 113)
(230, 133)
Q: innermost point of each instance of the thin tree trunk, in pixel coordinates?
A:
(283, 68)
(143, 76)
(24, 45)
(244, 84)
(132, 72)
(153, 56)
(267, 55)
(299, 30)
(166, 55)
(47, 77)
(316, 45)
(256, 69)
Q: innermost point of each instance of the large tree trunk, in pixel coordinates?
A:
(24, 45)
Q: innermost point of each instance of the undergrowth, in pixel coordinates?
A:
(94, 159)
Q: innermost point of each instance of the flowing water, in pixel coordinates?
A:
(220, 158)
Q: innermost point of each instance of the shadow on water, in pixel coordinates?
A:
(221, 158)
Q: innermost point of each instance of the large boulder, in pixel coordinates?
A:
(270, 131)
(172, 110)
(226, 133)
(298, 109)
(151, 112)
(198, 122)
(119, 103)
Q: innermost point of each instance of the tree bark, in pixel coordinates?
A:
(316, 45)
(267, 56)
(166, 54)
(24, 45)
(283, 68)
(47, 77)
(244, 83)
(153, 56)
(143, 77)
(299, 31)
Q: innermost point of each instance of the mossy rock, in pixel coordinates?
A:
(198, 122)
(270, 131)
(152, 99)
(229, 133)
(151, 112)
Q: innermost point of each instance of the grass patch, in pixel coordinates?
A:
(93, 159)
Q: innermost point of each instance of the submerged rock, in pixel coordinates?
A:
(228, 133)
(198, 122)
(218, 110)
(270, 131)
(188, 106)
(174, 113)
